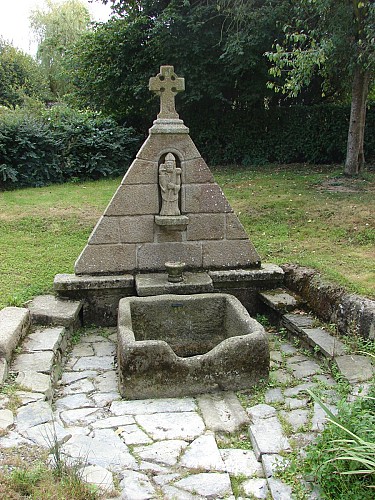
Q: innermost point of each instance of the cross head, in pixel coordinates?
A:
(166, 84)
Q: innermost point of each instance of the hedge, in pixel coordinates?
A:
(61, 145)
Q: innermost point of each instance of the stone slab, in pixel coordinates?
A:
(267, 437)
(106, 259)
(267, 272)
(203, 454)
(279, 300)
(136, 485)
(211, 485)
(150, 406)
(241, 463)
(279, 490)
(166, 452)
(153, 256)
(184, 425)
(295, 322)
(94, 363)
(98, 476)
(47, 435)
(133, 435)
(35, 382)
(6, 419)
(206, 227)
(328, 345)
(4, 369)
(305, 368)
(222, 412)
(14, 324)
(355, 368)
(74, 282)
(49, 339)
(136, 199)
(229, 254)
(255, 488)
(50, 310)
(33, 414)
(41, 361)
(158, 284)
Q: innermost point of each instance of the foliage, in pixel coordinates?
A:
(343, 458)
(60, 144)
(20, 77)
(57, 28)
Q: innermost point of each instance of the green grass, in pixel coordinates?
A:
(288, 212)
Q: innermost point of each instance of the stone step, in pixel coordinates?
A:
(318, 339)
(355, 367)
(222, 412)
(50, 310)
(14, 324)
(279, 300)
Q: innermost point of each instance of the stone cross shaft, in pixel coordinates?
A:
(166, 84)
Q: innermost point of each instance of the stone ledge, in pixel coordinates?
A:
(14, 324)
(68, 282)
(50, 310)
(265, 272)
(158, 284)
(279, 300)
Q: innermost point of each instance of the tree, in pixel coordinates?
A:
(20, 77)
(57, 28)
(336, 40)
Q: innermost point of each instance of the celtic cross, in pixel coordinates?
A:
(166, 84)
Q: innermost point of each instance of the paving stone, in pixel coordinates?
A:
(133, 435)
(163, 452)
(105, 449)
(297, 321)
(183, 425)
(163, 479)
(295, 391)
(279, 300)
(80, 415)
(29, 397)
(33, 414)
(355, 368)
(49, 339)
(4, 401)
(267, 437)
(4, 370)
(47, 435)
(319, 417)
(153, 468)
(83, 386)
(302, 439)
(296, 418)
(272, 462)
(287, 348)
(149, 406)
(305, 369)
(276, 356)
(281, 377)
(35, 382)
(97, 476)
(104, 349)
(261, 411)
(41, 361)
(69, 377)
(294, 403)
(222, 412)
(113, 422)
(74, 401)
(279, 490)
(6, 420)
(297, 358)
(203, 454)
(107, 382)
(136, 485)
(94, 363)
(82, 350)
(14, 324)
(241, 463)
(328, 345)
(103, 399)
(274, 396)
(173, 493)
(92, 339)
(13, 440)
(255, 488)
(208, 484)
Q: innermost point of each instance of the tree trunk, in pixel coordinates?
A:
(354, 154)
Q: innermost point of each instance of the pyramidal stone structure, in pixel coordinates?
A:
(168, 206)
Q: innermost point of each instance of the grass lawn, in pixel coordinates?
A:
(302, 214)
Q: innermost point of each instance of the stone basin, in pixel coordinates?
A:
(179, 345)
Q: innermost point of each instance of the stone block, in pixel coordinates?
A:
(6, 420)
(196, 172)
(141, 172)
(153, 256)
(106, 259)
(49, 339)
(75, 283)
(252, 277)
(234, 228)
(14, 324)
(165, 234)
(279, 300)
(203, 198)
(267, 437)
(35, 382)
(203, 454)
(136, 229)
(42, 361)
(355, 368)
(229, 254)
(328, 345)
(222, 412)
(158, 284)
(158, 144)
(206, 227)
(135, 199)
(106, 231)
(50, 310)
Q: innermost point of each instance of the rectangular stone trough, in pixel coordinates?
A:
(177, 345)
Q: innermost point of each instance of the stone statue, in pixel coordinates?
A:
(170, 185)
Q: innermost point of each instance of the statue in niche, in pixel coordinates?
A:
(170, 185)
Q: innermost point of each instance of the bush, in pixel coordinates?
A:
(59, 145)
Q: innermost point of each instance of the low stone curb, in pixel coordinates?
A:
(14, 324)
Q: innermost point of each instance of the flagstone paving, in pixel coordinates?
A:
(173, 448)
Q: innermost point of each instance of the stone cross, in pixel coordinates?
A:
(166, 84)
